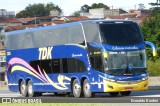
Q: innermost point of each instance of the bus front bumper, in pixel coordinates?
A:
(118, 87)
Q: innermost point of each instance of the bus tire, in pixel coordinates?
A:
(38, 93)
(86, 89)
(125, 93)
(77, 89)
(30, 90)
(62, 94)
(114, 94)
(23, 89)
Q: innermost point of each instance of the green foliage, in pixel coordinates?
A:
(141, 6)
(76, 14)
(157, 3)
(155, 9)
(153, 67)
(50, 6)
(99, 5)
(151, 31)
(38, 10)
(57, 104)
(85, 8)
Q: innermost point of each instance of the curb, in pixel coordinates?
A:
(154, 88)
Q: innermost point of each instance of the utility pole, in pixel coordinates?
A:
(35, 21)
(112, 10)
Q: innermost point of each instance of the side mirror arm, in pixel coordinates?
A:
(153, 46)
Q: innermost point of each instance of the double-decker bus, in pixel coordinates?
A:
(82, 58)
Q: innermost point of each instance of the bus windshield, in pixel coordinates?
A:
(120, 33)
(124, 63)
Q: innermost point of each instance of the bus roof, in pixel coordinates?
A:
(65, 25)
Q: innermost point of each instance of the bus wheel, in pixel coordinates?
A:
(114, 93)
(62, 94)
(125, 93)
(23, 89)
(86, 89)
(38, 93)
(31, 92)
(77, 91)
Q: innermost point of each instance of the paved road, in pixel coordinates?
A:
(138, 96)
(149, 93)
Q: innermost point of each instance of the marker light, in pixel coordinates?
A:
(105, 54)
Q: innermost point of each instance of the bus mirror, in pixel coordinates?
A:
(153, 46)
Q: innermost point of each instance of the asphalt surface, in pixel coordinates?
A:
(150, 96)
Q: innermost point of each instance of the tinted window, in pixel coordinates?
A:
(71, 34)
(121, 33)
(91, 32)
(96, 62)
(65, 65)
(46, 66)
(35, 64)
(56, 65)
(75, 65)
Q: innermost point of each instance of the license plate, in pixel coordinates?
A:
(129, 89)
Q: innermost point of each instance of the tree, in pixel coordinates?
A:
(155, 8)
(85, 8)
(22, 13)
(38, 10)
(50, 6)
(156, 3)
(141, 6)
(76, 14)
(99, 5)
(151, 30)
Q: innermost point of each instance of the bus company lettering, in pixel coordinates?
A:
(77, 55)
(45, 53)
(123, 48)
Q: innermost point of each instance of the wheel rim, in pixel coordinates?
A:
(30, 90)
(87, 88)
(23, 87)
(76, 88)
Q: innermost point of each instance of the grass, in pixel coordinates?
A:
(154, 67)
(58, 104)
(83, 104)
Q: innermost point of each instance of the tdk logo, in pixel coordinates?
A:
(45, 53)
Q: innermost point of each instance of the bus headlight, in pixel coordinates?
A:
(110, 80)
(144, 78)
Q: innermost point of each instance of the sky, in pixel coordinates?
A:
(69, 6)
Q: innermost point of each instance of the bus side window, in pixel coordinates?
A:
(65, 65)
(35, 64)
(81, 66)
(96, 62)
(72, 65)
(46, 66)
(92, 61)
(56, 65)
(75, 65)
